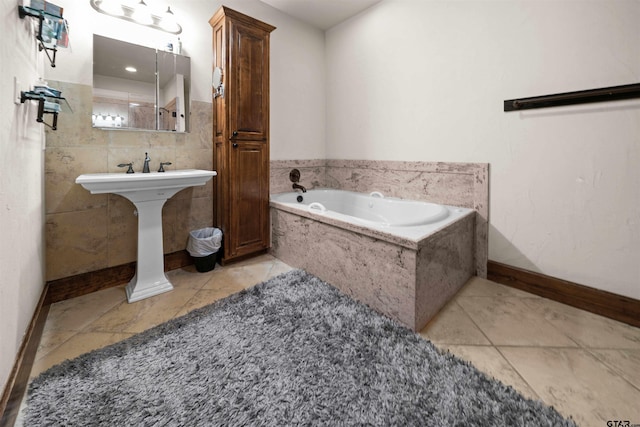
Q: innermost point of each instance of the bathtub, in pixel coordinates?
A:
(404, 258)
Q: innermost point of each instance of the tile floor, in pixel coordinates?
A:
(586, 366)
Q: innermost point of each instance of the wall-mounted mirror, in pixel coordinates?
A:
(137, 87)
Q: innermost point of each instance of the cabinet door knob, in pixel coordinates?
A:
(235, 145)
(234, 134)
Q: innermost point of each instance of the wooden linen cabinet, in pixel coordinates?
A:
(241, 133)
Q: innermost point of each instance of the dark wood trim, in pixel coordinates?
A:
(85, 283)
(19, 376)
(613, 306)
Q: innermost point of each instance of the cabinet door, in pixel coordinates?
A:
(249, 207)
(249, 88)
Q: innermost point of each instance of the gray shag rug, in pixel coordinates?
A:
(290, 351)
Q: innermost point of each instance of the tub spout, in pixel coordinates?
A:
(297, 186)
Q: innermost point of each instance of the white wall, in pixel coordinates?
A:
(425, 80)
(297, 63)
(21, 187)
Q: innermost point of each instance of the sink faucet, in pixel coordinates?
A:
(297, 186)
(147, 159)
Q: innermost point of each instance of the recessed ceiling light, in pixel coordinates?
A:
(131, 69)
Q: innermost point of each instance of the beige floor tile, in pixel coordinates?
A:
(255, 260)
(76, 313)
(235, 275)
(576, 383)
(278, 268)
(258, 272)
(625, 362)
(587, 329)
(453, 326)
(489, 360)
(593, 384)
(508, 321)
(80, 343)
(205, 297)
(144, 314)
(51, 339)
(479, 287)
(189, 278)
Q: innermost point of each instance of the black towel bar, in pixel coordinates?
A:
(613, 93)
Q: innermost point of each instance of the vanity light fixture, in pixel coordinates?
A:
(140, 13)
(131, 69)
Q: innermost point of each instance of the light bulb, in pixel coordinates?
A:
(141, 14)
(168, 22)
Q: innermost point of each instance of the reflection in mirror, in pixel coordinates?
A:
(136, 87)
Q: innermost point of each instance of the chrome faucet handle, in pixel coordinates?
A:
(124, 165)
(162, 164)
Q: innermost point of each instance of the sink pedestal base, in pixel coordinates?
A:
(149, 279)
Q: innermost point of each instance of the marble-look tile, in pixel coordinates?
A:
(144, 314)
(74, 128)
(135, 140)
(312, 174)
(77, 345)
(52, 339)
(236, 277)
(444, 263)
(455, 189)
(278, 268)
(77, 313)
(196, 159)
(453, 326)
(489, 360)
(62, 166)
(189, 278)
(456, 184)
(191, 214)
(200, 133)
(479, 287)
(123, 155)
(587, 329)
(576, 383)
(76, 242)
(205, 297)
(508, 321)
(375, 272)
(625, 362)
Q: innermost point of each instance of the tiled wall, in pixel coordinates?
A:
(457, 184)
(86, 232)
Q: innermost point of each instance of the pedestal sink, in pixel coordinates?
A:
(148, 192)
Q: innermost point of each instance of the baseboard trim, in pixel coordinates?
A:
(19, 376)
(613, 306)
(86, 283)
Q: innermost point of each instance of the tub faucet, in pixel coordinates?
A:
(297, 186)
(147, 159)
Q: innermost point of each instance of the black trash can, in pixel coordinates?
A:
(203, 246)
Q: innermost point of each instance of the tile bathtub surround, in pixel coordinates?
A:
(456, 184)
(406, 280)
(588, 367)
(86, 232)
(312, 174)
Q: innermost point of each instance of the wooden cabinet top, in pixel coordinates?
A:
(224, 11)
